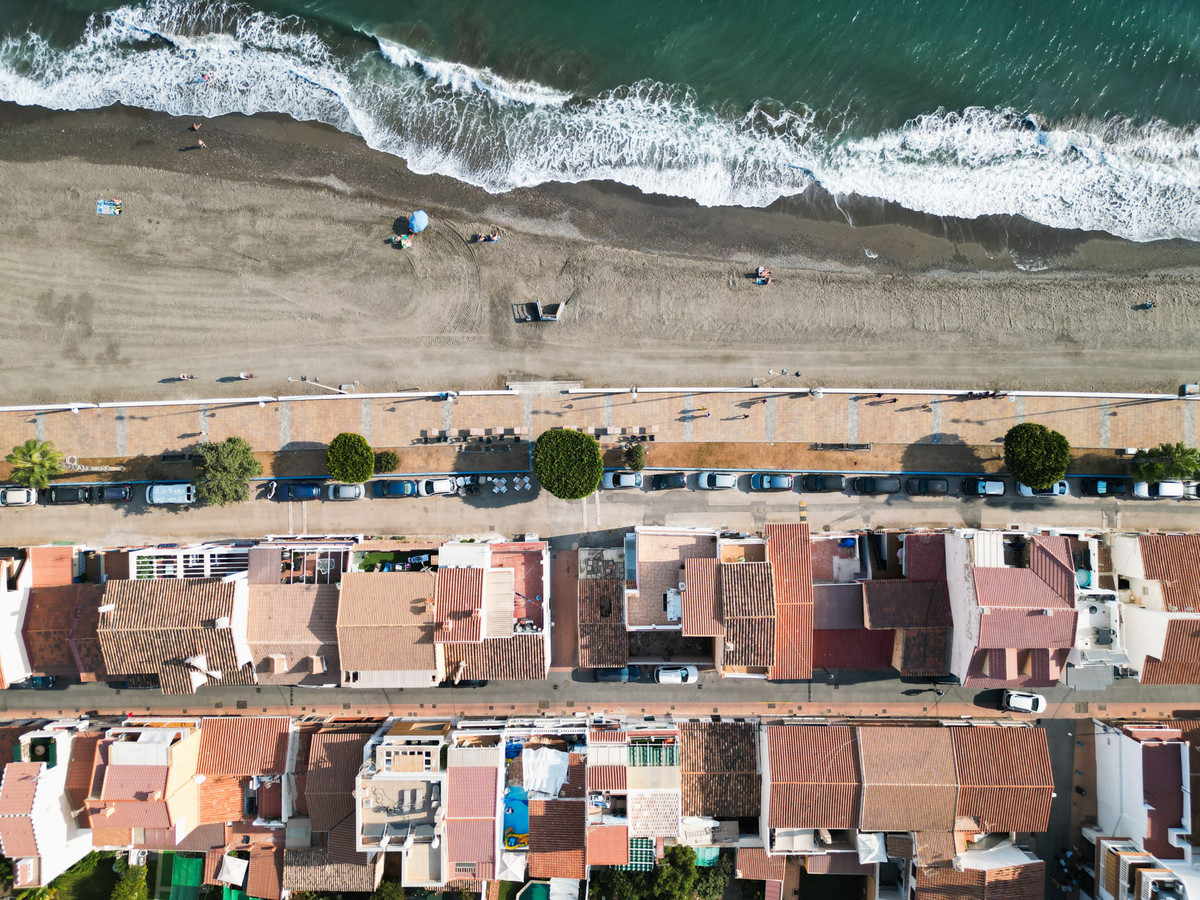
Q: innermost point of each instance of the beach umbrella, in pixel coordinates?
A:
(419, 221)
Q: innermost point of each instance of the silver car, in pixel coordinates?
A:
(345, 492)
(431, 487)
(615, 480)
(716, 481)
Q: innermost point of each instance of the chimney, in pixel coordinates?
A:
(316, 665)
(477, 613)
(446, 625)
(278, 663)
(107, 607)
(222, 622)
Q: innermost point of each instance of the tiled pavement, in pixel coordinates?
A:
(700, 416)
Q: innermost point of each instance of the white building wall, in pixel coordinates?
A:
(1120, 809)
(14, 661)
(60, 841)
(241, 619)
(1145, 632)
(963, 606)
(399, 679)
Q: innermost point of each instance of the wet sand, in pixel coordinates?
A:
(265, 252)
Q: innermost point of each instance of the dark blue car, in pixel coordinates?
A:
(395, 488)
(303, 490)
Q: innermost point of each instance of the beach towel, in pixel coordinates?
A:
(108, 207)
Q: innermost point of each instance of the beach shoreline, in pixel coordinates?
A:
(276, 231)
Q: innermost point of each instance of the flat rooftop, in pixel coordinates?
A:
(660, 559)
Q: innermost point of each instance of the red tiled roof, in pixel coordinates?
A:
(720, 775)
(522, 657)
(221, 799)
(1027, 882)
(606, 778)
(922, 651)
(203, 838)
(134, 782)
(748, 607)
(899, 603)
(1014, 588)
(459, 596)
(48, 620)
(793, 643)
(472, 841)
(557, 839)
(136, 814)
(909, 780)
(52, 565)
(1174, 560)
(18, 787)
(471, 792)
(79, 772)
(243, 745)
(386, 622)
(576, 784)
(334, 759)
(932, 848)
(316, 870)
(1025, 628)
(772, 889)
(790, 556)
(925, 557)
(814, 776)
(265, 876)
(1050, 559)
(602, 645)
(1004, 777)
(1180, 662)
(607, 845)
(106, 836)
(840, 863)
(16, 836)
(754, 864)
(852, 648)
(296, 622)
(607, 735)
(1163, 795)
(701, 602)
(603, 640)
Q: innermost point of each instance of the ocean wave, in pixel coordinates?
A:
(1135, 181)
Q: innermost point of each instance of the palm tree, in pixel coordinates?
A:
(1165, 462)
(34, 462)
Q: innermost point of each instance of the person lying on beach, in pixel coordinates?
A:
(764, 276)
(489, 238)
(402, 239)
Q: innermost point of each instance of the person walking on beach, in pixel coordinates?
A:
(245, 375)
(200, 145)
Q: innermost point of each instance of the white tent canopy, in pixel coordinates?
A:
(545, 770)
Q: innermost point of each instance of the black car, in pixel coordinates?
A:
(824, 484)
(667, 481)
(64, 494)
(465, 683)
(1104, 487)
(112, 493)
(927, 487)
(872, 485)
(623, 675)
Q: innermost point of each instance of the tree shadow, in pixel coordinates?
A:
(945, 453)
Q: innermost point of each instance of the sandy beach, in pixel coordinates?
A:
(266, 252)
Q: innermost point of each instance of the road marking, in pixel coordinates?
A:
(120, 423)
(291, 530)
(803, 511)
(852, 420)
(285, 424)
(366, 420)
(1105, 424)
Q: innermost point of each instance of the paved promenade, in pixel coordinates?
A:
(766, 415)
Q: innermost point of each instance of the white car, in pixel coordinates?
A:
(716, 481)
(1158, 490)
(1023, 701)
(676, 674)
(431, 487)
(615, 480)
(1056, 490)
(345, 492)
(17, 496)
(1191, 490)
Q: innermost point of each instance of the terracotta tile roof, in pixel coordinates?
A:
(342, 842)
(933, 847)
(747, 590)
(602, 600)
(749, 642)
(1050, 559)
(79, 772)
(212, 862)
(243, 745)
(1174, 560)
(575, 787)
(653, 814)
(899, 846)
(312, 870)
(852, 648)
(701, 599)
(607, 735)
(602, 646)
(459, 596)
(754, 864)
(1026, 882)
(909, 780)
(899, 603)
(134, 782)
(109, 836)
(333, 762)
(790, 556)
(221, 798)
(836, 864)
(49, 617)
(473, 841)
(603, 640)
(922, 651)
(16, 837)
(1005, 777)
(1180, 662)
(85, 642)
(18, 787)
(1026, 628)
(265, 877)
(472, 792)
(386, 621)
(522, 657)
(295, 621)
(136, 814)
(772, 889)
(52, 565)
(719, 764)
(157, 622)
(557, 839)
(606, 778)
(203, 838)
(607, 845)
(814, 776)
(925, 557)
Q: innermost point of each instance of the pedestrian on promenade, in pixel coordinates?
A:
(763, 400)
(704, 409)
(893, 400)
(708, 415)
(744, 416)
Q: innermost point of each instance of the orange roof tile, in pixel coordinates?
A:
(1180, 662)
(18, 787)
(557, 839)
(16, 836)
(1005, 777)
(459, 600)
(52, 565)
(295, 621)
(909, 780)
(473, 841)
(814, 776)
(110, 836)
(264, 879)
(1025, 628)
(334, 759)
(754, 864)
(134, 782)
(790, 554)
(222, 799)
(607, 845)
(471, 792)
(243, 745)
(522, 657)
(1026, 882)
(701, 600)
(1174, 560)
(386, 621)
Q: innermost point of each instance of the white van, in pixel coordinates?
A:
(183, 492)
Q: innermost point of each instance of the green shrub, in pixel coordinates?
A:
(1036, 456)
(349, 458)
(635, 457)
(387, 461)
(1165, 462)
(132, 885)
(225, 470)
(568, 463)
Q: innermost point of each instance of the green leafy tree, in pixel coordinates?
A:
(1035, 455)
(675, 877)
(350, 459)
(226, 468)
(132, 885)
(387, 461)
(34, 462)
(1165, 462)
(635, 457)
(389, 890)
(568, 463)
(712, 881)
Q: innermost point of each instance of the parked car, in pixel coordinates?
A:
(17, 496)
(770, 481)
(345, 492)
(112, 493)
(396, 487)
(1158, 490)
(676, 674)
(432, 487)
(927, 487)
(824, 484)
(1104, 487)
(984, 487)
(465, 683)
(1191, 490)
(617, 480)
(1023, 701)
(1056, 490)
(622, 675)
(302, 490)
(67, 494)
(177, 494)
(667, 481)
(716, 481)
(35, 682)
(872, 485)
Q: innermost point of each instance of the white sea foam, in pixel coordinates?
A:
(474, 125)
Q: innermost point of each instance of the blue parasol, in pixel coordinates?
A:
(419, 221)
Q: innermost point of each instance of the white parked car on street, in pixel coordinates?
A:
(615, 480)
(676, 674)
(17, 496)
(1056, 490)
(431, 487)
(1158, 490)
(716, 481)
(1023, 701)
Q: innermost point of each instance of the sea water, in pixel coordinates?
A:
(1075, 114)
